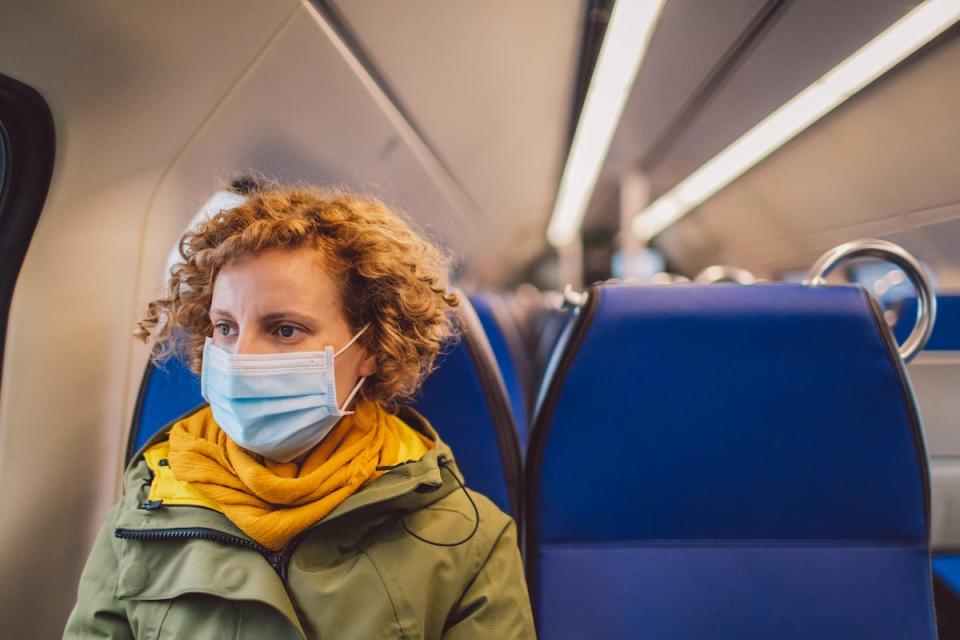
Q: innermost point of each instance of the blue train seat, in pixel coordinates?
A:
(946, 330)
(464, 399)
(507, 348)
(935, 375)
(699, 468)
(167, 392)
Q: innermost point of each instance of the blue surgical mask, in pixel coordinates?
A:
(279, 405)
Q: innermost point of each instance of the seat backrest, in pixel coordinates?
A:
(732, 461)
(167, 392)
(464, 399)
(506, 344)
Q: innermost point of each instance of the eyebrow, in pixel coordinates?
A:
(273, 316)
(289, 314)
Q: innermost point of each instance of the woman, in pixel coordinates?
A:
(276, 510)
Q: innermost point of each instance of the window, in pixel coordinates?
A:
(26, 163)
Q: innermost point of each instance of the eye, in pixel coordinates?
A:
(222, 328)
(286, 331)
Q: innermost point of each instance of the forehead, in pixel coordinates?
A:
(274, 278)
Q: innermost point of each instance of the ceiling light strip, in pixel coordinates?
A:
(877, 57)
(625, 43)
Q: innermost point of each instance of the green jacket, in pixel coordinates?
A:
(361, 572)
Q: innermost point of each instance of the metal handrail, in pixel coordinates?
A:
(884, 250)
(724, 273)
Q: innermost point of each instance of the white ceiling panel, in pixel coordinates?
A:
(310, 115)
(884, 164)
(490, 85)
(806, 41)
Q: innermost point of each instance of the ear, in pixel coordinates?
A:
(368, 366)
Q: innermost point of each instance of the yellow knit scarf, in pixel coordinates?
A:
(273, 501)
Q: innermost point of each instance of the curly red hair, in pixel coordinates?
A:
(390, 276)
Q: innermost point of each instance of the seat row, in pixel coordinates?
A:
(745, 461)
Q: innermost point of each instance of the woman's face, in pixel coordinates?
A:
(283, 300)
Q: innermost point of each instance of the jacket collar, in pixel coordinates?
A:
(406, 487)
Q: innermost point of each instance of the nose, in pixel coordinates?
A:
(250, 342)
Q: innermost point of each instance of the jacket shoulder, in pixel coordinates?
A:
(463, 525)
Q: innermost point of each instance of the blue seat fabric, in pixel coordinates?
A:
(516, 392)
(463, 399)
(167, 392)
(465, 392)
(946, 329)
(766, 591)
(698, 470)
(948, 568)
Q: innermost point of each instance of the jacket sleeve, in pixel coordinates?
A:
(496, 604)
(98, 614)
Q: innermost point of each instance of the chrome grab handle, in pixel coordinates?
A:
(724, 273)
(573, 298)
(873, 248)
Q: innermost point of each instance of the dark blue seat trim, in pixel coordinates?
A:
(906, 396)
(554, 371)
(504, 342)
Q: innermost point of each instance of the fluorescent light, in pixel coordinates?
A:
(624, 45)
(877, 57)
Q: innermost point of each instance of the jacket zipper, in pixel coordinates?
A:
(280, 562)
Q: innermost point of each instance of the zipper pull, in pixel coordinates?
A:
(279, 564)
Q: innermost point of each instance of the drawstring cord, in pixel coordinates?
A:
(443, 462)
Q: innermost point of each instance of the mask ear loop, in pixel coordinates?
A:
(352, 340)
(346, 403)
